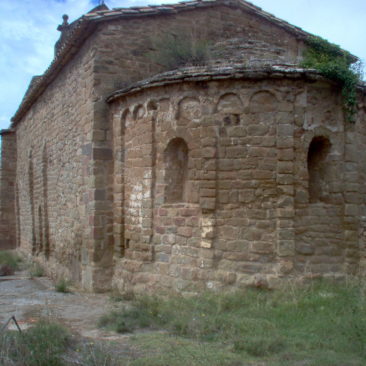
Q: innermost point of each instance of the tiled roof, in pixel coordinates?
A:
(206, 73)
(81, 29)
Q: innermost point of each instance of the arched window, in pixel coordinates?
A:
(176, 170)
(318, 169)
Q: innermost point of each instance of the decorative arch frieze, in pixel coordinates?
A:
(263, 101)
(138, 112)
(189, 108)
(230, 107)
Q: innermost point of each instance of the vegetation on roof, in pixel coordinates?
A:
(338, 65)
(173, 51)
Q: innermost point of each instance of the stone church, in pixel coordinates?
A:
(118, 173)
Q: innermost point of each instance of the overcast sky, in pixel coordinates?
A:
(28, 33)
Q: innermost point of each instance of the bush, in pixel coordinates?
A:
(62, 285)
(41, 345)
(6, 270)
(9, 263)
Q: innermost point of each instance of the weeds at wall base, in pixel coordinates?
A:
(36, 270)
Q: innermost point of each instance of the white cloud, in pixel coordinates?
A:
(27, 37)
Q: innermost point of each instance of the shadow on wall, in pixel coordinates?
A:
(318, 169)
(176, 171)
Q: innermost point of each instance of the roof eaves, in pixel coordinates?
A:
(188, 74)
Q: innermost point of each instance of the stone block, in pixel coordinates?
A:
(284, 142)
(285, 179)
(207, 192)
(227, 278)
(351, 210)
(185, 231)
(284, 167)
(285, 130)
(208, 152)
(207, 203)
(285, 248)
(206, 243)
(162, 257)
(286, 201)
(285, 154)
(237, 131)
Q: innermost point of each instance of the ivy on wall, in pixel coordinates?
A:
(338, 65)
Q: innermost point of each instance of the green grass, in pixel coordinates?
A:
(9, 263)
(41, 345)
(322, 324)
(164, 349)
(50, 344)
(98, 354)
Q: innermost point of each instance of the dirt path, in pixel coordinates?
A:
(29, 299)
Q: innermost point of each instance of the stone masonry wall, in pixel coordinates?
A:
(64, 181)
(54, 180)
(124, 56)
(359, 156)
(320, 222)
(246, 216)
(7, 192)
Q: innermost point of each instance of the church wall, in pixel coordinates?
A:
(7, 190)
(246, 216)
(321, 184)
(123, 57)
(54, 172)
(359, 188)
